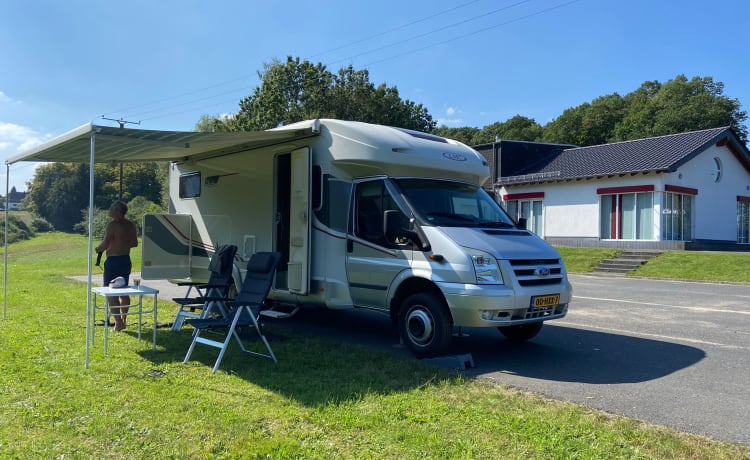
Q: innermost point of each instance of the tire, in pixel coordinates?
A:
(425, 325)
(522, 332)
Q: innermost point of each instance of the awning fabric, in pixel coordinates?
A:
(122, 145)
(102, 144)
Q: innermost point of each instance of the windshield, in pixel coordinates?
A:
(453, 204)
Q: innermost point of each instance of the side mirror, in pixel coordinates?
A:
(522, 222)
(393, 229)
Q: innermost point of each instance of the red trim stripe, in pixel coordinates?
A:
(678, 189)
(626, 189)
(523, 196)
(743, 199)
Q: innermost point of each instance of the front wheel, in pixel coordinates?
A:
(424, 324)
(521, 332)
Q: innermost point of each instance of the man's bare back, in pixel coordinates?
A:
(119, 237)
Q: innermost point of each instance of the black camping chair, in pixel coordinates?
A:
(242, 311)
(215, 290)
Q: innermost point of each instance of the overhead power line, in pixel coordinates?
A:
(478, 31)
(158, 110)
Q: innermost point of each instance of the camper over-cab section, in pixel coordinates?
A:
(364, 216)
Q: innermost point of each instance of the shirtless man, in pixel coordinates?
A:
(119, 237)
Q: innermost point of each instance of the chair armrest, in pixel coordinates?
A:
(211, 286)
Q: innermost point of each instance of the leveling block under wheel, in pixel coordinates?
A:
(459, 362)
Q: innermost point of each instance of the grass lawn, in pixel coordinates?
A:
(322, 400)
(733, 267)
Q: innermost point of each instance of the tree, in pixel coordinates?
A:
(59, 192)
(680, 105)
(297, 90)
(517, 128)
(466, 134)
(587, 124)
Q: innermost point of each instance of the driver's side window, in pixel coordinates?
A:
(371, 200)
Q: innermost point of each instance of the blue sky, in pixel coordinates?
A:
(471, 63)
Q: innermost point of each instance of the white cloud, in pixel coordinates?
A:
(15, 139)
(451, 118)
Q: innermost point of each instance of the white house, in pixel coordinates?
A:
(681, 191)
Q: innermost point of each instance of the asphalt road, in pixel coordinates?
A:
(670, 353)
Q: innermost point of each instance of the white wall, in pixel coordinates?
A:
(715, 214)
(571, 209)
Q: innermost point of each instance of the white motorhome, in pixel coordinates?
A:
(365, 216)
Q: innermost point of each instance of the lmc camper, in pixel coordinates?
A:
(365, 216)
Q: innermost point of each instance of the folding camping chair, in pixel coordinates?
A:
(243, 311)
(214, 291)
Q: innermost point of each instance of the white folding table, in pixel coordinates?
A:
(136, 308)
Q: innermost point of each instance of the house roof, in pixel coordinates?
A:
(654, 154)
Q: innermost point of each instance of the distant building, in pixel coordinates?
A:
(681, 191)
(14, 200)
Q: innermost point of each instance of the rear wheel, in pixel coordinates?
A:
(424, 324)
(521, 332)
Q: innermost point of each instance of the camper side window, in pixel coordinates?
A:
(190, 185)
(335, 204)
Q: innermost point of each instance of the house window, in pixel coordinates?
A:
(743, 219)
(527, 206)
(627, 216)
(676, 217)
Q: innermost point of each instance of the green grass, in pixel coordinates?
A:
(702, 266)
(322, 400)
(733, 267)
(581, 260)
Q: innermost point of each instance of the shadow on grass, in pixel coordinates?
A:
(327, 355)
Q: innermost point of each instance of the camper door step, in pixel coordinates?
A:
(279, 314)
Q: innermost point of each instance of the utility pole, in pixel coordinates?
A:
(122, 124)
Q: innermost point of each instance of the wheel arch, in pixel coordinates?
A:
(412, 285)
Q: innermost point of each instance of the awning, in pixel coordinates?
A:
(122, 145)
(104, 144)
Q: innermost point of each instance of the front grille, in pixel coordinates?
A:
(537, 272)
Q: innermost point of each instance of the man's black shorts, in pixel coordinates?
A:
(116, 266)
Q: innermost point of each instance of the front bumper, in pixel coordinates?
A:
(473, 305)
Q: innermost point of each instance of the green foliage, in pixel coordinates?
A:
(466, 134)
(18, 229)
(60, 191)
(654, 109)
(297, 90)
(517, 128)
(40, 225)
(140, 206)
(101, 219)
(137, 208)
(680, 105)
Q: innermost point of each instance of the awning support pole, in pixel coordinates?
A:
(89, 316)
(5, 254)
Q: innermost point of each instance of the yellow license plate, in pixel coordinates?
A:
(545, 301)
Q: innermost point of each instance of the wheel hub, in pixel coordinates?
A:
(419, 325)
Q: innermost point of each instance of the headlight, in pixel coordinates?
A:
(485, 267)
